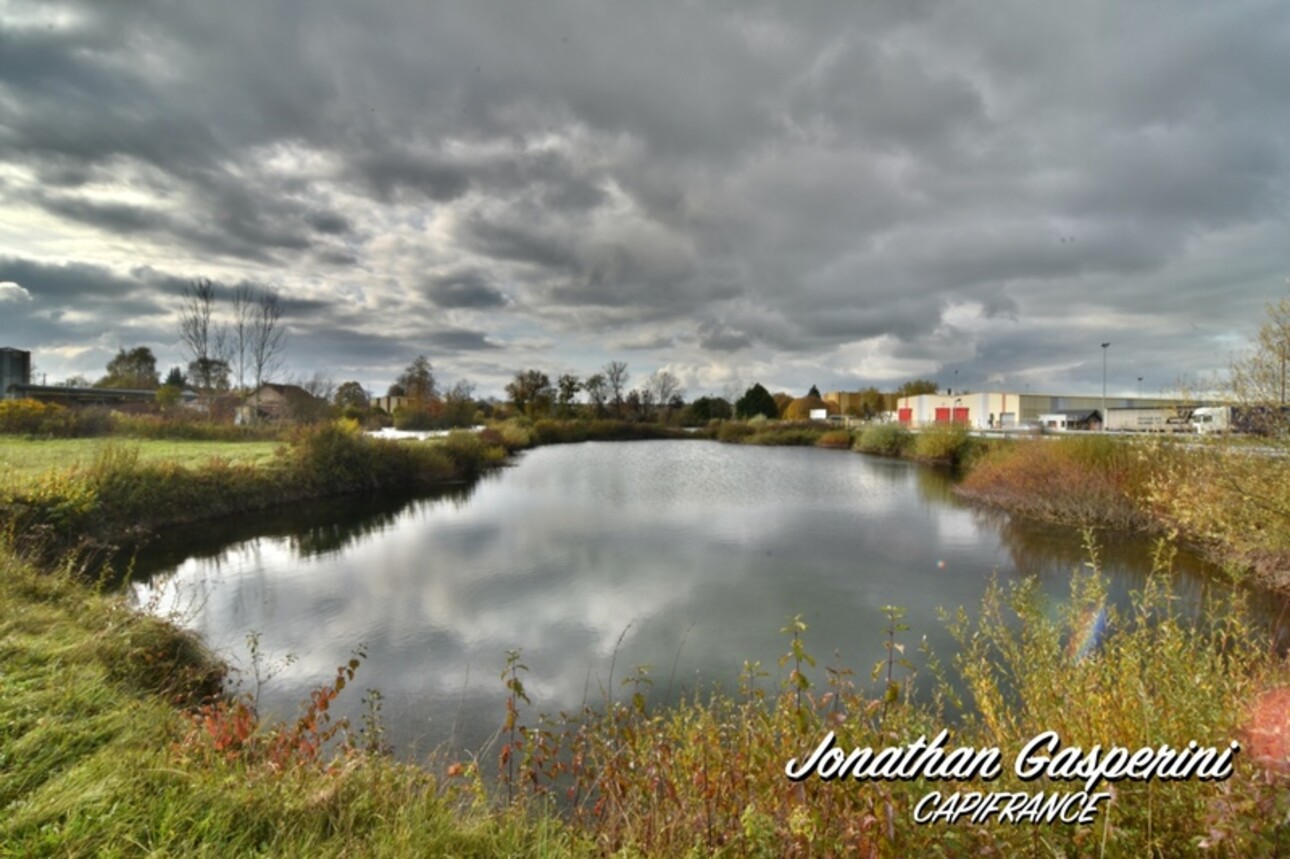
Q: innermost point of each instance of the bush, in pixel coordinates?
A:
(413, 419)
(1081, 481)
(191, 426)
(788, 436)
(32, 417)
(942, 443)
(885, 440)
(839, 439)
(734, 431)
(470, 454)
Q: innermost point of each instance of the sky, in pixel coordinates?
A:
(838, 194)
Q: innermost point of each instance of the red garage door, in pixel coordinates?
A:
(942, 416)
(905, 415)
(960, 416)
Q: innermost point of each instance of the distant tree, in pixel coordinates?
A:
(351, 395)
(319, 385)
(568, 387)
(169, 397)
(136, 368)
(1259, 377)
(814, 392)
(916, 387)
(756, 401)
(801, 408)
(531, 392)
(267, 338)
(203, 339)
(633, 407)
(240, 337)
(176, 378)
(597, 388)
(459, 405)
(782, 400)
(212, 374)
(871, 404)
(661, 389)
(705, 409)
(417, 382)
(396, 390)
(77, 381)
(616, 377)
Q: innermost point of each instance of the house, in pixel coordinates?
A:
(277, 402)
(389, 404)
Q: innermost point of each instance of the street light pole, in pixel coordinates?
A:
(1104, 348)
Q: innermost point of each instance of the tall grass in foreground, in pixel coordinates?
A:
(708, 774)
(96, 758)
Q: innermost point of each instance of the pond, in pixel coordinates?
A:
(684, 556)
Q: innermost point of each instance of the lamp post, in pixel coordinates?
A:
(1139, 387)
(1104, 348)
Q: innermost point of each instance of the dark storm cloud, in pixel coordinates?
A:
(469, 289)
(755, 180)
(462, 341)
(716, 337)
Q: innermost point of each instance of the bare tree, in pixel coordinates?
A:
(597, 391)
(243, 320)
(320, 385)
(195, 329)
(664, 388)
(616, 376)
(268, 339)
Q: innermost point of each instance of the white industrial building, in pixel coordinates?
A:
(1001, 410)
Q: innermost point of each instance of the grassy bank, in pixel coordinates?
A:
(120, 492)
(22, 458)
(97, 759)
(1231, 502)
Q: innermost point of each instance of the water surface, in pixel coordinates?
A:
(685, 556)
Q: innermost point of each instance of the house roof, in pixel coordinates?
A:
(287, 391)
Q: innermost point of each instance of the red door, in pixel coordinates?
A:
(942, 416)
(905, 415)
(960, 416)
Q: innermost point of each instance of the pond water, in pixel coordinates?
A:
(685, 556)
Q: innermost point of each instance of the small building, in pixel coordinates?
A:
(389, 404)
(276, 402)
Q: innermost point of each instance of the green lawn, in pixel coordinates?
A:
(21, 458)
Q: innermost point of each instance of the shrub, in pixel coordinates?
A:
(191, 426)
(885, 440)
(470, 453)
(413, 419)
(942, 443)
(788, 435)
(839, 439)
(734, 431)
(1079, 481)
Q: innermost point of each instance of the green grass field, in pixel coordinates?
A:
(22, 458)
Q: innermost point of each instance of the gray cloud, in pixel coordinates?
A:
(467, 289)
(836, 191)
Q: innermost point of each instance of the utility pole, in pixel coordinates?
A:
(1104, 348)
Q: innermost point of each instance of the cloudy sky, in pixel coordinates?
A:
(839, 194)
